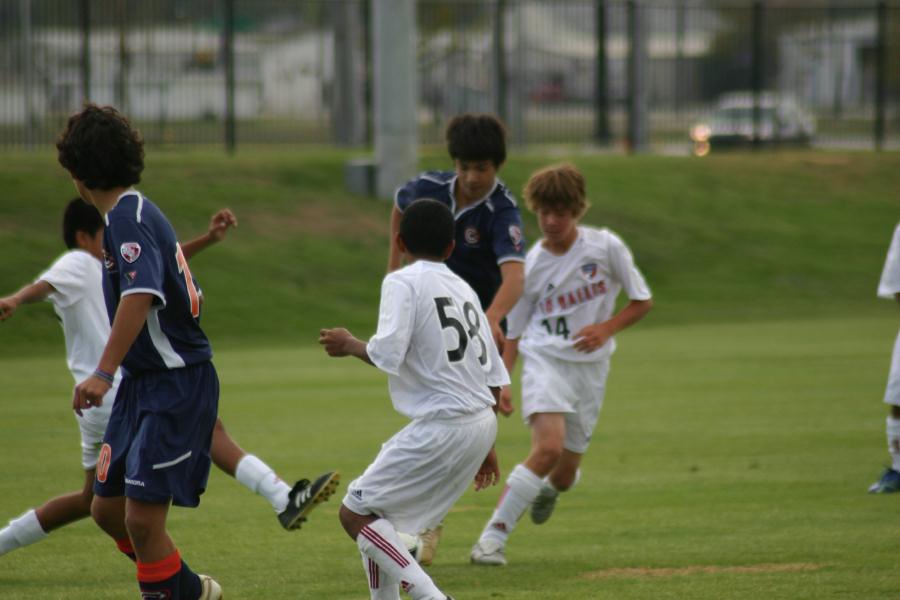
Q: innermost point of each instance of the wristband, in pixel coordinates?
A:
(107, 377)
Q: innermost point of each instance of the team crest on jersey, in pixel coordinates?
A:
(515, 234)
(589, 270)
(130, 251)
(472, 236)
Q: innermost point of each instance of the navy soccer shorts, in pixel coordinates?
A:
(156, 445)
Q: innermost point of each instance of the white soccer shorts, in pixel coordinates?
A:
(92, 425)
(551, 385)
(892, 393)
(423, 470)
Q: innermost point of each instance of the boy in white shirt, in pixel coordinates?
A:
(73, 284)
(566, 324)
(889, 287)
(445, 374)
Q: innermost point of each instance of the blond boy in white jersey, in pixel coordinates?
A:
(445, 374)
(889, 288)
(563, 326)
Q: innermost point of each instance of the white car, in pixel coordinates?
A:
(731, 123)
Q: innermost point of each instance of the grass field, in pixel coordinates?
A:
(742, 425)
(731, 462)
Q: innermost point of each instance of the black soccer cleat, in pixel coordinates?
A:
(304, 497)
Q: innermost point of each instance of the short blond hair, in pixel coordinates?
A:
(558, 187)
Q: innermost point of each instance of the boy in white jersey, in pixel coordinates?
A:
(889, 287)
(435, 342)
(73, 284)
(566, 324)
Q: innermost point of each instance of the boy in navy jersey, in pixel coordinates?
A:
(156, 446)
(489, 251)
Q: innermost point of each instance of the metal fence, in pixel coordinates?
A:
(629, 74)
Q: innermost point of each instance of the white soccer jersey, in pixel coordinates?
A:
(565, 293)
(890, 276)
(435, 343)
(77, 278)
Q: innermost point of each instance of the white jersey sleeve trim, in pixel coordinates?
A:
(510, 258)
(150, 291)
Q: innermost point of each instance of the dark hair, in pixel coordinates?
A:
(80, 216)
(101, 149)
(427, 228)
(475, 137)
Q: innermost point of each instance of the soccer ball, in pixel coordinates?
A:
(413, 543)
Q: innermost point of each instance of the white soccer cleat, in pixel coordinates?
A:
(543, 505)
(428, 543)
(488, 552)
(209, 588)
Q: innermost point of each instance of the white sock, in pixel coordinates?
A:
(261, 479)
(21, 532)
(379, 541)
(522, 487)
(381, 585)
(893, 438)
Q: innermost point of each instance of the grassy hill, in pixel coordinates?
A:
(727, 238)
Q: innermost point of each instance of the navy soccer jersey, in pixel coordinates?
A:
(488, 232)
(142, 256)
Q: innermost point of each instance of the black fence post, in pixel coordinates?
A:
(757, 69)
(601, 88)
(228, 48)
(637, 80)
(881, 74)
(369, 70)
(85, 15)
(500, 58)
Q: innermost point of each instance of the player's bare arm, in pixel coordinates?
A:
(339, 342)
(512, 273)
(219, 225)
(395, 256)
(594, 336)
(510, 356)
(29, 294)
(130, 318)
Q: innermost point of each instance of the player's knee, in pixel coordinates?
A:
(352, 522)
(139, 526)
(102, 514)
(85, 501)
(548, 453)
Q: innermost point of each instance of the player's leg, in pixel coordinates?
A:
(563, 477)
(160, 569)
(378, 541)
(291, 503)
(179, 408)
(35, 524)
(381, 585)
(548, 431)
(890, 479)
(416, 478)
(588, 385)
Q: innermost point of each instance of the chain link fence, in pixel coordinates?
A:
(665, 76)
